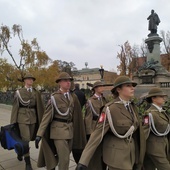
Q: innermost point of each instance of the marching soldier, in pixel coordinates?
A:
(27, 111)
(93, 107)
(156, 125)
(62, 127)
(120, 131)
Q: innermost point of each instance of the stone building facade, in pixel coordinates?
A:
(91, 75)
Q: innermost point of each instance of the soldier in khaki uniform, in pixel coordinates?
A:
(27, 111)
(120, 130)
(156, 125)
(93, 110)
(61, 116)
(93, 107)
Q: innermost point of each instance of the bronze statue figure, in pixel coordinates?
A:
(153, 22)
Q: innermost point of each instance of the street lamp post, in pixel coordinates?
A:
(101, 70)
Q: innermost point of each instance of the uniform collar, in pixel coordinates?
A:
(29, 88)
(124, 102)
(159, 108)
(97, 96)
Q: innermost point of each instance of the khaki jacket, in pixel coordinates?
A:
(118, 153)
(27, 114)
(161, 120)
(58, 130)
(50, 129)
(90, 117)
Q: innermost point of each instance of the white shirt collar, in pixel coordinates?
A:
(125, 102)
(97, 96)
(159, 108)
(28, 88)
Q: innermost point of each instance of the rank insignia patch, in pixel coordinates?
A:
(146, 120)
(102, 117)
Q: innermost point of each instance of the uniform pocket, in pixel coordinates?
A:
(124, 123)
(63, 108)
(122, 126)
(55, 124)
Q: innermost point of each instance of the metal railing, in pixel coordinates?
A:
(164, 84)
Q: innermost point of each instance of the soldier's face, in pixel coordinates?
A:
(126, 91)
(28, 82)
(159, 100)
(65, 84)
(99, 90)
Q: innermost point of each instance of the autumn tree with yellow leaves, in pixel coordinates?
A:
(31, 59)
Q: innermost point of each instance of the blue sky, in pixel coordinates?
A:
(82, 31)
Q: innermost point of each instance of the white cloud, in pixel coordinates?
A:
(84, 31)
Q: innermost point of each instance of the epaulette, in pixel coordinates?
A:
(146, 113)
(53, 93)
(18, 89)
(119, 102)
(71, 91)
(34, 88)
(109, 103)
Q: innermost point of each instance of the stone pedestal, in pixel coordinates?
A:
(152, 73)
(153, 52)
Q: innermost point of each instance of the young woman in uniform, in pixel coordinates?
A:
(120, 131)
(156, 125)
(93, 107)
(93, 110)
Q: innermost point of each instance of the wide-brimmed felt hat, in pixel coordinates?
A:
(156, 91)
(122, 80)
(97, 84)
(28, 76)
(64, 76)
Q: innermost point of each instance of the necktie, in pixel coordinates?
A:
(66, 96)
(129, 109)
(29, 90)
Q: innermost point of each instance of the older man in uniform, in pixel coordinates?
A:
(64, 123)
(27, 111)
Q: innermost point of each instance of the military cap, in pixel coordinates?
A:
(97, 84)
(27, 76)
(64, 76)
(122, 80)
(156, 91)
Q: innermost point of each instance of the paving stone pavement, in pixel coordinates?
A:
(8, 160)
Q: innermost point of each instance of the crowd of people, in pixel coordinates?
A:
(110, 135)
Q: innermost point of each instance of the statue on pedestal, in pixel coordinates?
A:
(153, 22)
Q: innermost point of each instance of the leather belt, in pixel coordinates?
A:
(29, 107)
(62, 120)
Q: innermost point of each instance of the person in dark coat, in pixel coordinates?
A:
(81, 96)
(27, 111)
